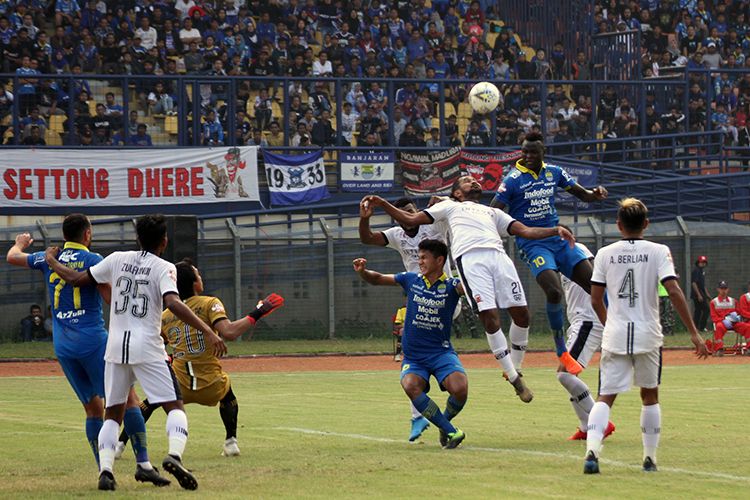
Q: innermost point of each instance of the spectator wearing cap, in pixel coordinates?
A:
(712, 58)
(699, 293)
(725, 316)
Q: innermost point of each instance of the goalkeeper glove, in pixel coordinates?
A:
(265, 307)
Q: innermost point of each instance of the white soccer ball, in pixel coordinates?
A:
(484, 98)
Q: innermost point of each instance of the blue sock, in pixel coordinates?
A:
(93, 426)
(430, 410)
(135, 427)
(453, 407)
(555, 318)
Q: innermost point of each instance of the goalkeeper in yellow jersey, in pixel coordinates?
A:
(198, 371)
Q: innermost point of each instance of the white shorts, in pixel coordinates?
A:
(156, 379)
(490, 280)
(617, 372)
(584, 339)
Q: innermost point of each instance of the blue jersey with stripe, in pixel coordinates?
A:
(78, 324)
(429, 314)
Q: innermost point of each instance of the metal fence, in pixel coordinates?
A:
(308, 260)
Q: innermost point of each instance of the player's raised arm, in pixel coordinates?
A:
(366, 235)
(230, 330)
(173, 303)
(680, 305)
(539, 233)
(16, 255)
(372, 277)
(400, 216)
(71, 276)
(588, 195)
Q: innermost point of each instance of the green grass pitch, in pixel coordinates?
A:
(343, 435)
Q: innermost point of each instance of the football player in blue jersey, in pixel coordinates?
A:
(79, 336)
(431, 300)
(528, 194)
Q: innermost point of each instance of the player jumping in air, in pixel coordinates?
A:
(198, 370)
(142, 284)
(405, 240)
(80, 339)
(487, 273)
(431, 300)
(528, 193)
(628, 271)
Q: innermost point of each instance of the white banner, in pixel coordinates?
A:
(127, 177)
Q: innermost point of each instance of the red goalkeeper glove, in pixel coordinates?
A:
(266, 307)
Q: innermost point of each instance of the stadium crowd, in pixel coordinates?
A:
(371, 40)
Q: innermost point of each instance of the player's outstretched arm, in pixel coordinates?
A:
(16, 255)
(597, 302)
(400, 216)
(173, 303)
(231, 330)
(366, 235)
(539, 233)
(680, 305)
(372, 277)
(588, 195)
(70, 276)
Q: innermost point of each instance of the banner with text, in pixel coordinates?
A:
(586, 177)
(368, 172)
(430, 172)
(488, 168)
(127, 177)
(296, 179)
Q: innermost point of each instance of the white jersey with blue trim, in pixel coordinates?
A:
(577, 301)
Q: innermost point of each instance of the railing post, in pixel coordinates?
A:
(237, 268)
(331, 278)
(596, 229)
(46, 240)
(688, 253)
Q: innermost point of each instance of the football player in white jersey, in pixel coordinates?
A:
(405, 240)
(487, 273)
(629, 271)
(583, 340)
(142, 284)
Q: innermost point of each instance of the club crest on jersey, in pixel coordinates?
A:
(172, 275)
(442, 288)
(548, 176)
(478, 299)
(502, 188)
(217, 308)
(405, 367)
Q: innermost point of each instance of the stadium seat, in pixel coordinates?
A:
(52, 138)
(56, 123)
(464, 110)
(170, 124)
(92, 106)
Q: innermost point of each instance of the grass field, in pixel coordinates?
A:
(371, 345)
(343, 435)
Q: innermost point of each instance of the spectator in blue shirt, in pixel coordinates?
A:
(65, 11)
(265, 30)
(141, 138)
(441, 67)
(27, 86)
(212, 133)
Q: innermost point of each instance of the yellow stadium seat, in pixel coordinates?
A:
(52, 138)
(464, 110)
(170, 124)
(56, 123)
(491, 37)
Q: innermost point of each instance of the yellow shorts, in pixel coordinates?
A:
(202, 384)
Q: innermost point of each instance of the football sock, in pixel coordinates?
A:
(135, 427)
(556, 322)
(651, 429)
(519, 340)
(499, 347)
(598, 419)
(107, 444)
(228, 409)
(453, 407)
(580, 396)
(147, 409)
(93, 426)
(177, 432)
(432, 413)
(414, 412)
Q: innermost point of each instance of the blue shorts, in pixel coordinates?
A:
(551, 253)
(440, 366)
(85, 374)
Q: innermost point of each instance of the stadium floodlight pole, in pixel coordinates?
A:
(331, 278)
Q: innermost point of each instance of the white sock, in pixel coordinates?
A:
(580, 396)
(519, 340)
(499, 347)
(177, 432)
(108, 435)
(145, 465)
(651, 429)
(598, 419)
(414, 412)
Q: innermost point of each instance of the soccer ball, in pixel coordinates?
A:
(484, 98)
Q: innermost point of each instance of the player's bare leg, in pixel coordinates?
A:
(490, 318)
(177, 432)
(598, 419)
(414, 386)
(549, 281)
(457, 385)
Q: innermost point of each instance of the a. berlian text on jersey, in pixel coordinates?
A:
(631, 271)
(139, 282)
